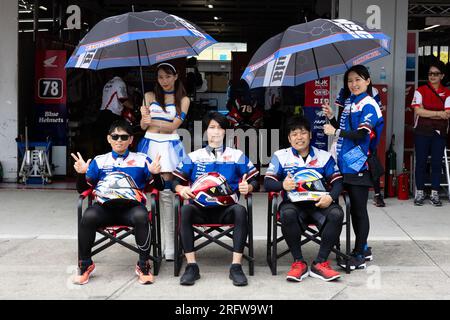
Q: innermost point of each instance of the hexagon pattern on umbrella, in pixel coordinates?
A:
(113, 42)
(314, 50)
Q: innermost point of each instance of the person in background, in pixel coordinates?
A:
(431, 104)
(114, 100)
(166, 109)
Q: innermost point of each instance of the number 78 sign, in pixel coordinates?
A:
(50, 77)
(50, 88)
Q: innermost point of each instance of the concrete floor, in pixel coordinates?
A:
(411, 247)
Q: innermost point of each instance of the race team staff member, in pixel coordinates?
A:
(295, 216)
(358, 133)
(135, 171)
(340, 102)
(114, 99)
(431, 104)
(240, 174)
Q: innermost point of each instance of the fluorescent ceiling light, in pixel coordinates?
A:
(210, 6)
(431, 27)
(40, 20)
(24, 11)
(33, 30)
(43, 8)
(216, 18)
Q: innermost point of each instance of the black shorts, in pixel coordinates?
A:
(308, 213)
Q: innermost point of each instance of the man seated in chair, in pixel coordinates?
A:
(118, 180)
(236, 173)
(302, 172)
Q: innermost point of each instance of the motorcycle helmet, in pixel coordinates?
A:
(211, 190)
(118, 187)
(309, 186)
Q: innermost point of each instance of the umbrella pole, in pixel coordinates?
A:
(140, 66)
(140, 71)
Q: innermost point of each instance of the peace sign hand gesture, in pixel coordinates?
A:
(80, 165)
(155, 166)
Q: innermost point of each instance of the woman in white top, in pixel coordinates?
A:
(165, 111)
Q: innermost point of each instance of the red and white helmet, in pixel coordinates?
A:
(212, 189)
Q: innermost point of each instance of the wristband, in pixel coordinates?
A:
(181, 116)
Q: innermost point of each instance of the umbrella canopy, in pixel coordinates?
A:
(138, 39)
(314, 50)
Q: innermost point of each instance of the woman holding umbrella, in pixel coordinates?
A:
(358, 133)
(167, 108)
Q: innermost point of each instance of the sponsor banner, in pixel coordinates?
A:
(50, 77)
(317, 119)
(317, 92)
(276, 71)
(50, 97)
(51, 122)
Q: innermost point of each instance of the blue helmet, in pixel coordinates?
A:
(118, 187)
(309, 186)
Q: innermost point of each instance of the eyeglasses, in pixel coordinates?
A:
(123, 137)
(434, 74)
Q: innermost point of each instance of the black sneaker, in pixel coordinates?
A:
(191, 273)
(378, 200)
(237, 275)
(355, 262)
(368, 254)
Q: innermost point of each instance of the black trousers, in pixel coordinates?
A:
(98, 216)
(295, 218)
(359, 196)
(235, 214)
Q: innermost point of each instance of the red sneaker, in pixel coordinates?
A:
(84, 275)
(144, 274)
(323, 271)
(298, 272)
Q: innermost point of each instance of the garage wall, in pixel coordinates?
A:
(8, 88)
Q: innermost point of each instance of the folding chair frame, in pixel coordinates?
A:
(225, 230)
(310, 234)
(116, 234)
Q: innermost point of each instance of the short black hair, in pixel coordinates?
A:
(218, 117)
(298, 122)
(121, 124)
(438, 64)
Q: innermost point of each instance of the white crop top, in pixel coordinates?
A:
(157, 112)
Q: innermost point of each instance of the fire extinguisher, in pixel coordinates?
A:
(391, 172)
(403, 185)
